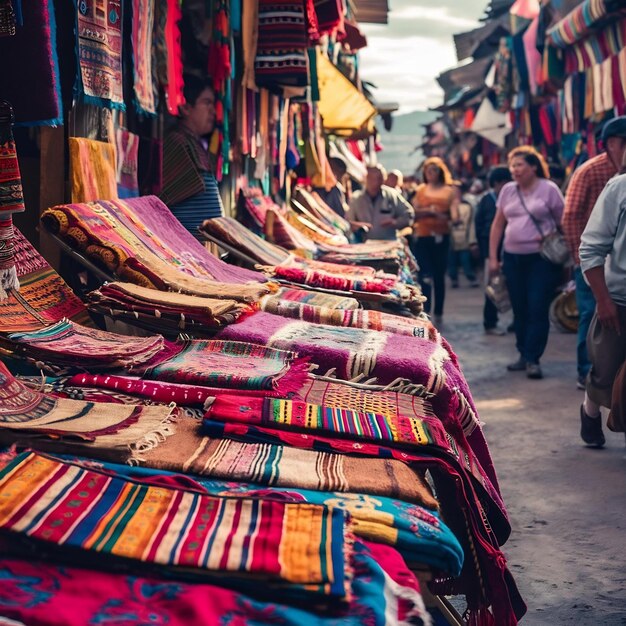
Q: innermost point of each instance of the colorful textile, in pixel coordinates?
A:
(42, 593)
(388, 357)
(231, 364)
(157, 391)
(485, 527)
(171, 39)
(99, 45)
(33, 47)
(278, 230)
(281, 44)
(92, 167)
(419, 534)
(11, 201)
(106, 515)
(359, 318)
(70, 344)
(127, 151)
(313, 298)
(189, 451)
(175, 310)
(115, 231)
(28, 416)
(141, 38)
(341, 422)
(43, 299)
(230, 231)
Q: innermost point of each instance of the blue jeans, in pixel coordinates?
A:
(586, 304)
(464, 258)
(432, 258)
(532, 282)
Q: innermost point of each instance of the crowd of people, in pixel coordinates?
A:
(452, 224)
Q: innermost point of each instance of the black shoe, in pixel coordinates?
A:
(591, 429)
(533, 370)
(517, 366)
(510, 328)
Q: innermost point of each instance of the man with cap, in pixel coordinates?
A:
(602, 256)
(585, 186)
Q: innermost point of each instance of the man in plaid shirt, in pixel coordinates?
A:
(586, 184)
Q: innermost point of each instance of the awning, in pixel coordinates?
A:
(344, 109)
(354, 39)
(471, 75)
(583, 20)
(370, 11)
(481, 41)
(491, 124)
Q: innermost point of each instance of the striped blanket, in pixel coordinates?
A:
(109, 516)
(340, 421)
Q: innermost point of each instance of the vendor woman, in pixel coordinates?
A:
(189, 186)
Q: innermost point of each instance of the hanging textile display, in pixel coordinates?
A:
(99, 45)
(141, 37)
(34, 44)
(282, 42)
(11, 200)
(92, 168)
(127, 151)
(167, 60)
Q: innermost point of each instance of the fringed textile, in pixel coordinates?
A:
(99, 46)
(191, 452)
(300, 544)
(341, 422)
(141, 38)
(73, 345)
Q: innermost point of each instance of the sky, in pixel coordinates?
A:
(403, 57)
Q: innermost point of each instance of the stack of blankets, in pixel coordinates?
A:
(330, 452)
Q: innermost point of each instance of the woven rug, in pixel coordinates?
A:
(47, 594)
(30, 417)
(313, 298)
(418, 533)
(341, 422)
(43, 299)
(359, 318)
(281, 44)
(99, 45)
(189, 451)
(70, 344)
(230, 364)
(387, 357)
(181, 309)
(107, 515)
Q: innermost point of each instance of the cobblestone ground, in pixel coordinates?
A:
(567, 503)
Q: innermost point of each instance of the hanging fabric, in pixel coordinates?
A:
(11, 200)
(141, 38)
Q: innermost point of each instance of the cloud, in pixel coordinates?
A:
(404, 57)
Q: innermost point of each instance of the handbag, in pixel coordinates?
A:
(554, 248)
(497, 291)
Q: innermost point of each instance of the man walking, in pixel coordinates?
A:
(586, 184)
(603, 262)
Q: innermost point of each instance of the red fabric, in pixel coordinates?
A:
(174, 88)
(312, 25)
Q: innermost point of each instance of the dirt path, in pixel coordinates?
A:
(567, 503)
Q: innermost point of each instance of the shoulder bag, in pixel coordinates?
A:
(554, 248)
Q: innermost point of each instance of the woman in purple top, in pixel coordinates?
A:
(531, 279)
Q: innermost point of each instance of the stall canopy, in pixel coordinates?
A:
(344, 109)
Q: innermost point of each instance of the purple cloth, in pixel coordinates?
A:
(157, 218)
(387, 357)
(546, 205)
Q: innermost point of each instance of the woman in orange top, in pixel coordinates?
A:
(435, 206)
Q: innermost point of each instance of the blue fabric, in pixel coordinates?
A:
(532, 283)
(586, 304)
(203, 206)
(421, 534)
